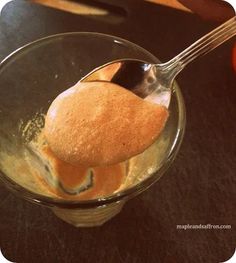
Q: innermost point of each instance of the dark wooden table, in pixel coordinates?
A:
(198, 189)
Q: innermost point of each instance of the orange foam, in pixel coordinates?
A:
(100, 123)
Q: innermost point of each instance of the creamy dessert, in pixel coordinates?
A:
(100, 123)
(79, 182)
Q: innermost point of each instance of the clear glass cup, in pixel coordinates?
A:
(30, 78)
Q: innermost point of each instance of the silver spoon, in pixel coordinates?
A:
(154, 81)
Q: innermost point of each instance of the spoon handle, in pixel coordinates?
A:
(201, 47)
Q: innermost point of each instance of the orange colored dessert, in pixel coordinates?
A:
(100, 123)
(79, 182)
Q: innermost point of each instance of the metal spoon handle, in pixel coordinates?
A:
(200, 47)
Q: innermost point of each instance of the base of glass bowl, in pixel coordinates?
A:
(89, 217)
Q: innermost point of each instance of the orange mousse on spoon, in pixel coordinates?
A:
(99, 123)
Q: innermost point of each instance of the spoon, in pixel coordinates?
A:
(154, 81)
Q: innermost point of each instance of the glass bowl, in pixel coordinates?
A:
(30, 78)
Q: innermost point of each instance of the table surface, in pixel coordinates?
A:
(199, 188)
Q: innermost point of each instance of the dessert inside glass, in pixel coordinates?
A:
(81, 194)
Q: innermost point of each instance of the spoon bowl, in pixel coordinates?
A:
(138, 76)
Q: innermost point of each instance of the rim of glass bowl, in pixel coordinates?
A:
(122, 195)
